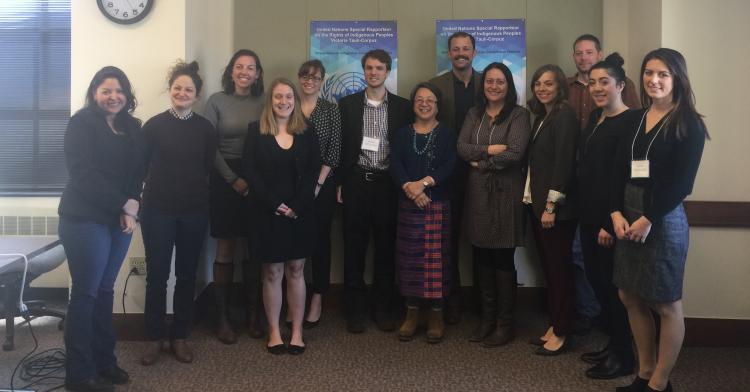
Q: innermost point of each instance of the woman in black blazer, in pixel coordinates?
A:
(281, 160)
(552, 150)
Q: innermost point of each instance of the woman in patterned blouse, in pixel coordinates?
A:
(325, 117)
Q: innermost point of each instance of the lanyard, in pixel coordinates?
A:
(492, 130)
(632, 146)
(539, 128)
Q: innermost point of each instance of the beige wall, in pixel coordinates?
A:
(551, 29)
(713, 38)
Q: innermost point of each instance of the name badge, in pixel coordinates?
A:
(639, 169)
(370, 143)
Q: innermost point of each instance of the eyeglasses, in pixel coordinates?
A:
(311, 78)
(429, 101)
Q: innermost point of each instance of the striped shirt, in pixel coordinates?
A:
(375, 125)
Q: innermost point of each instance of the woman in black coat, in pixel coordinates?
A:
(282, 159)
(552, 150)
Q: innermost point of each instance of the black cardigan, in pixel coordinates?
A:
(105, 169)
(307, 162)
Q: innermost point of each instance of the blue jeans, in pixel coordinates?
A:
(161, 234)
(95, 253)
(586, 303)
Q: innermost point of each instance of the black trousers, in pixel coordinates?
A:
(321, 259)
(369, 207)
(599, 263)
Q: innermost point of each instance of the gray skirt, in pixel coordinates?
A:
(653, 270)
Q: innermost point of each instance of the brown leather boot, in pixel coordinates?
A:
(435, 326)
(409, 327)
(181, 350)
(253, 298)
(222, 288)
(506, 289)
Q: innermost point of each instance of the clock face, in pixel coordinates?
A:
(125, 11)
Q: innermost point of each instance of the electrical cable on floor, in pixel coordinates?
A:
(43, 366)
(133, 270)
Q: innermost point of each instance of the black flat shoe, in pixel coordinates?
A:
(93, 384)
(310, 324)
(116, 375)
(549, 353)
(667, 389)
(294, 349)
(537, 342)
(638, 385)
(594, 357)
(612, 366)
(277, 349)
(355, 324)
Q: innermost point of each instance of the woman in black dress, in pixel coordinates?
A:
(596, 157)
(656, 168)
(282, 161)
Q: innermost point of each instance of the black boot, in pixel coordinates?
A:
(506, 287)
(617, 364)
(223, 273)
(488, 298)
(253, 302)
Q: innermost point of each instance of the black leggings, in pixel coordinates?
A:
(501, 259)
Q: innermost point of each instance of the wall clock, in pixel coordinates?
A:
(125, 11)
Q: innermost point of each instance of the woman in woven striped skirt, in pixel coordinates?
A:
(422, 159)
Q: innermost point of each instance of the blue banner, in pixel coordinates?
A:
(502, 40)
(340, 46)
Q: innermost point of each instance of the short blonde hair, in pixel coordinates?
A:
(297, 124)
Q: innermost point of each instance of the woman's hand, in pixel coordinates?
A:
(240, 186)
(422, 201)
(548, 220)
(639, 230)
(495, 149)
(127, 223)
(284, 210)
(339, 198)
(620, 224)
(413, 189)
(131, 207)
(605, 239)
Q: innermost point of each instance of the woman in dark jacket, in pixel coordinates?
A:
(282, 161)
(552, 154)
(98, 211)
(423, 155)
(180, 147)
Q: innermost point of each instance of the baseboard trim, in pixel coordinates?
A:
(699, 332)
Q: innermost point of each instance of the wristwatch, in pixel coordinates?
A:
(550, 210)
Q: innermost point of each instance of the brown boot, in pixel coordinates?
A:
(151, 354)
(222, 287)
(409, 327)
(435, 326)
(506, 289)
(253, 302)
(181, 350)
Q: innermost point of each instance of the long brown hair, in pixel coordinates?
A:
(561, 97)
(268, 125)
(682, 94)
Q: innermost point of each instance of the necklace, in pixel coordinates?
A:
(177, 115)
(427, 145)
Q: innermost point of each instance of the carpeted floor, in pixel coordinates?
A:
(377, 361)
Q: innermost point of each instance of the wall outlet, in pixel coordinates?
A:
(139, 263)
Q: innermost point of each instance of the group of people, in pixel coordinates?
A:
(266, 168)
